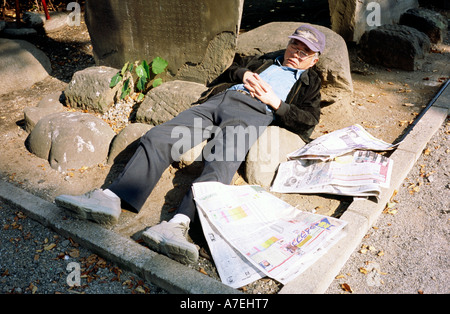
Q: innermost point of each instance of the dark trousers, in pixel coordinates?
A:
(232, 122)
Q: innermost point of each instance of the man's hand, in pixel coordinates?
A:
(260, 89)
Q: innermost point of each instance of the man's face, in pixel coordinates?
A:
(299, 56)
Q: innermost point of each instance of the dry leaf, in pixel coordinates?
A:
(49, 247)
(346, 287)
(339, 276)
(363, 270)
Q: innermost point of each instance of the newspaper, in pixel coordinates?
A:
(340, 142)
(362, 173)
(265, 235)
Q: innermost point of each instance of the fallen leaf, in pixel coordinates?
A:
(49, 247)
(363, 270)
(339, 276)
(346, 287)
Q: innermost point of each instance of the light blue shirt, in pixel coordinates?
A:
(280, 77)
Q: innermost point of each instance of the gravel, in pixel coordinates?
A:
(36, 260)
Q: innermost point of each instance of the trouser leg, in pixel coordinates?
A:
(243, 120)
(158, 148)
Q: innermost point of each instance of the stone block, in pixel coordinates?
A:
(89, 89)
(427, 21)
(197, 38)
(395, 46)
(167, 100)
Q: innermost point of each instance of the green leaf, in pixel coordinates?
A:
(146, 68)
(140, 97)
(115, 80)
(124, 68)
(159, 65)
(140, 71)
(141, 83)
(125, 89)
(157, 82)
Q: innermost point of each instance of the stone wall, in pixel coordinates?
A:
(197, 38)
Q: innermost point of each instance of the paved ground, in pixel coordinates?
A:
(407, 250)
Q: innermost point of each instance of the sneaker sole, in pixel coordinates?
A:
(184, 253)
(87, 213)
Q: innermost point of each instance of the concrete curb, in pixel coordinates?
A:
(177, 278)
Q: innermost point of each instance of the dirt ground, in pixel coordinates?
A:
(385, 101)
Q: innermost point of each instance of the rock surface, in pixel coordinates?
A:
(71, 140)
(395, 46)
(21, 64)
(89, 89)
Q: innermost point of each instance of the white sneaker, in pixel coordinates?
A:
(94, 205)
(170, 239)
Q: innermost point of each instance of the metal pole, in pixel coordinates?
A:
(44, 4)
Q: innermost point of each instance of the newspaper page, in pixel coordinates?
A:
(362, 173)
(276, 238)
(233, 268)
(340, 142)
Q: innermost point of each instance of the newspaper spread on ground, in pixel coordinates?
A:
(362, 173)
(268, 236)
(340, 142)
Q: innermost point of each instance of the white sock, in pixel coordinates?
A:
(180, 218)
(110, 193)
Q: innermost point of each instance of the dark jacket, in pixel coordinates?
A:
(300, 112)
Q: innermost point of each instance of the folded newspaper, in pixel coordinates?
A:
(340, 142)
(253, 234)
(327, 165)
(362, 173)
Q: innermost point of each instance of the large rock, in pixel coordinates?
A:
(395, 46)
(126, 142)
(49, 104)
(197, 38)
(89, 89)
(333, 65)
(71, 140)
(427, 21)
(22, 65)
(167, 100)
(267, 153)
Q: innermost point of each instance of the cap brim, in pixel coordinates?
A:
(307, 43)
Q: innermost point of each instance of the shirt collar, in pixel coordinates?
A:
(298, 72)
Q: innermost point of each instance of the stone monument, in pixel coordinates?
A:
(197, 38)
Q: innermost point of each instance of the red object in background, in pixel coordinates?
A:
(44, 4)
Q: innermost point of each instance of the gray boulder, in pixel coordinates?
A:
(395, 46)
(71, 140)
(126, 142)
(168, 100)
(49, 104)
(89, 89)
(267, 153)
(21, 64)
